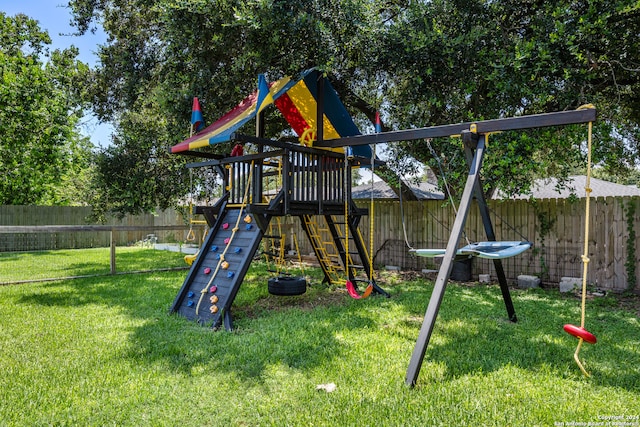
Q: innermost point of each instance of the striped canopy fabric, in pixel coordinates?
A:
(297, 101)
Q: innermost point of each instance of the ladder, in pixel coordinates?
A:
(328, 261)
(273, 246)
(355, 243)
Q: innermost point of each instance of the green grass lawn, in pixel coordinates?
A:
(16, 266)
(104, 351)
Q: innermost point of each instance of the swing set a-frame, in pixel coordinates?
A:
(474, 136)
(315, 183)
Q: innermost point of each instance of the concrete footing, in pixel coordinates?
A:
(568, 284)
(526, 282)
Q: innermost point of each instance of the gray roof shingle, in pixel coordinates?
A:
(382, 190)
(546, 189)
(541, 189)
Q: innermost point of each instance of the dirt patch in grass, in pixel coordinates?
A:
(320, 296)
(630, 303)
(312, 299)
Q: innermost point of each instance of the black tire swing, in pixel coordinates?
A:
(287, 286)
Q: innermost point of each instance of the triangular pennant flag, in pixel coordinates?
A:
(264, 96)
(197, 120)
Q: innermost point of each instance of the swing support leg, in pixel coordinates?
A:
(491, 237)
(474, 149)
(445, 268)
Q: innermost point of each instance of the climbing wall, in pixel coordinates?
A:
(217, 273)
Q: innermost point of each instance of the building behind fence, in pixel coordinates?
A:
(554, 226)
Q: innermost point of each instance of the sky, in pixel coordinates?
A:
(55, 17)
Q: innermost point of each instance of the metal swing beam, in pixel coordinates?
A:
(560, 118)
(474, 137)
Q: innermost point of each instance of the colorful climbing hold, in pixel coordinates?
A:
(230, 274)
(247, 219)
(190, 294)
(237, 250)
(227, 240)
(249, 227)
(224, 265)
(213, 289)
(213, 299)
(207, 270)
(214, 309)
(190, 303)
(225, 225)
(214, 248)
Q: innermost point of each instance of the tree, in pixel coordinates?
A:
(421, 62)
(466, 60)
(40, 106)
(136, 173)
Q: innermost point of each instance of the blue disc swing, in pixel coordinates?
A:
(487, 250)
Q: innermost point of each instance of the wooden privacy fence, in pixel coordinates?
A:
(554, 226)
(128, 230)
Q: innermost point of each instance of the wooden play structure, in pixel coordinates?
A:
(313, 175)
(278, 179)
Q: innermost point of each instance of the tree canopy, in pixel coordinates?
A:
(43, 158)
(421, 63)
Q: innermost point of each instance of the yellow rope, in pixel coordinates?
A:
(295, 241)
(371, 217)
(233, 233)
(190, 235)
(585, 255)
(346, 215)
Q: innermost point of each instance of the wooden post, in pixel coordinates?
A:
(113, 253)
(320, 109)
